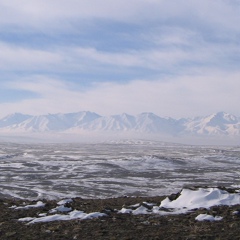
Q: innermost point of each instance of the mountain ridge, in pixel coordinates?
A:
(217, 124)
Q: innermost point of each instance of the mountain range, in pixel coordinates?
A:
(217, 124)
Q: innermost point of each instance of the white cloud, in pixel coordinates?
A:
(184, 96)
(18, 58)
(81, 60)
(172, 44)
(39, 13)
(51, 96)
(175, 38)
(180, 97)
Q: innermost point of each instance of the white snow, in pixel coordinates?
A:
(64, 201)
(26, 219)
(60, 208)
(125, 210)
(189, 200)
(42, 217)
(37, 205)
(51, 218)
(135, 205)
(202, 197)
(206, 217)
(149, 204)
(140, 210)
(42, 214)
(93, 215)
(70, 216)
(216, 124)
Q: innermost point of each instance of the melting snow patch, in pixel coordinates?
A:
(42, 214)
(26, 219)
(202, 197)
(141, 210)
(94, 215)
(37, 205)
(60, 209)
(71, 216)
(149, 204)
(187, 201)
(206, 217)
(135, 205)
(125, 210)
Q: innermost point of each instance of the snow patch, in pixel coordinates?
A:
(37, 205)
(187, 201)
(71, 216)
(141, 210)
(202, 197)
(206, 217)
(26, 219)
(65, 201)
(61, 208)
(125, 210)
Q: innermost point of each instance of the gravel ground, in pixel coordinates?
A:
(115, 225)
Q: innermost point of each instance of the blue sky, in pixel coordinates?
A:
(175, 58)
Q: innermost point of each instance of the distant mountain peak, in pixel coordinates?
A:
(223, 118)
(220, 123)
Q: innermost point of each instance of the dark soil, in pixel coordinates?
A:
(115, 225)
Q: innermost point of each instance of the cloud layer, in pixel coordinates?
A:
(176, 97)
(175, 58)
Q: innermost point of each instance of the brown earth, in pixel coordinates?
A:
(115, 225)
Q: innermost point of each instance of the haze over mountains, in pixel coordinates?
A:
(219, 124)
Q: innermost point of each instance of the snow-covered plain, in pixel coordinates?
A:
(145, 168)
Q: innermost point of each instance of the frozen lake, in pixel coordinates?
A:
(112, 169)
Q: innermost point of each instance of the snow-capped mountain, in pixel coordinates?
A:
(123, 122)
(216, 124)
(151, 123)
(13, 119)
(46, 123)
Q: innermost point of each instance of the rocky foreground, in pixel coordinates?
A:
(115, 225)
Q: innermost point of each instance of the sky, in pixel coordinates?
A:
(176, 58)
